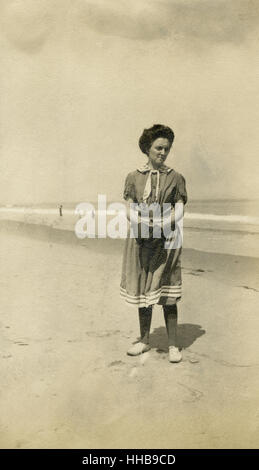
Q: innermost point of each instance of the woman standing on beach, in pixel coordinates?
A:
(151, 273)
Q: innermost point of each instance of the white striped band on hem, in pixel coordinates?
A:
(143, 300)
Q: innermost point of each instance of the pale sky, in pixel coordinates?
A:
(81, 79)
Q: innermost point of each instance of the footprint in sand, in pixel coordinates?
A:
(116, 363)
(249, 288)
(143, 358)
(196, 272)
(193, 361)
(20, 343)
(133, 372)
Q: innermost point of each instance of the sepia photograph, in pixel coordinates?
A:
(129, 224)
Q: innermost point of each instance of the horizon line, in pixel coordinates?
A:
(113, 200)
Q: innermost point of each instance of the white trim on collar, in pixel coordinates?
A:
(162, 169)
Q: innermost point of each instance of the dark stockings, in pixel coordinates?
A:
(145, 317)
(170, 315)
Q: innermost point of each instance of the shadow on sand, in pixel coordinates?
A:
(187, 335)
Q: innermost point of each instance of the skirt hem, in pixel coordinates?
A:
(161, 296)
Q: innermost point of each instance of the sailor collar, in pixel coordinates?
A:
(162, 169)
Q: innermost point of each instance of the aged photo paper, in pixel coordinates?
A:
(80, 81)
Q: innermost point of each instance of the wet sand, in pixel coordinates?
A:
(66, 379)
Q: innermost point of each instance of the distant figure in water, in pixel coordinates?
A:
(60, 210)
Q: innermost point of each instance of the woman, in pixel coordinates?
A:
(151, 273)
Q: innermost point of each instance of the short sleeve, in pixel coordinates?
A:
(181, 192)
(129, 188)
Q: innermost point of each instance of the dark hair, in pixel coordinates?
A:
(149, 135)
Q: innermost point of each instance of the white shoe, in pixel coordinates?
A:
(174, 354)
(138, 348)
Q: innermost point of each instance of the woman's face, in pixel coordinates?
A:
(158, 151)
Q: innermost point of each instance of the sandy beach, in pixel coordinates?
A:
(66, 379)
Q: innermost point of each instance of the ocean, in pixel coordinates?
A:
(220, 226)
(223, 226)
